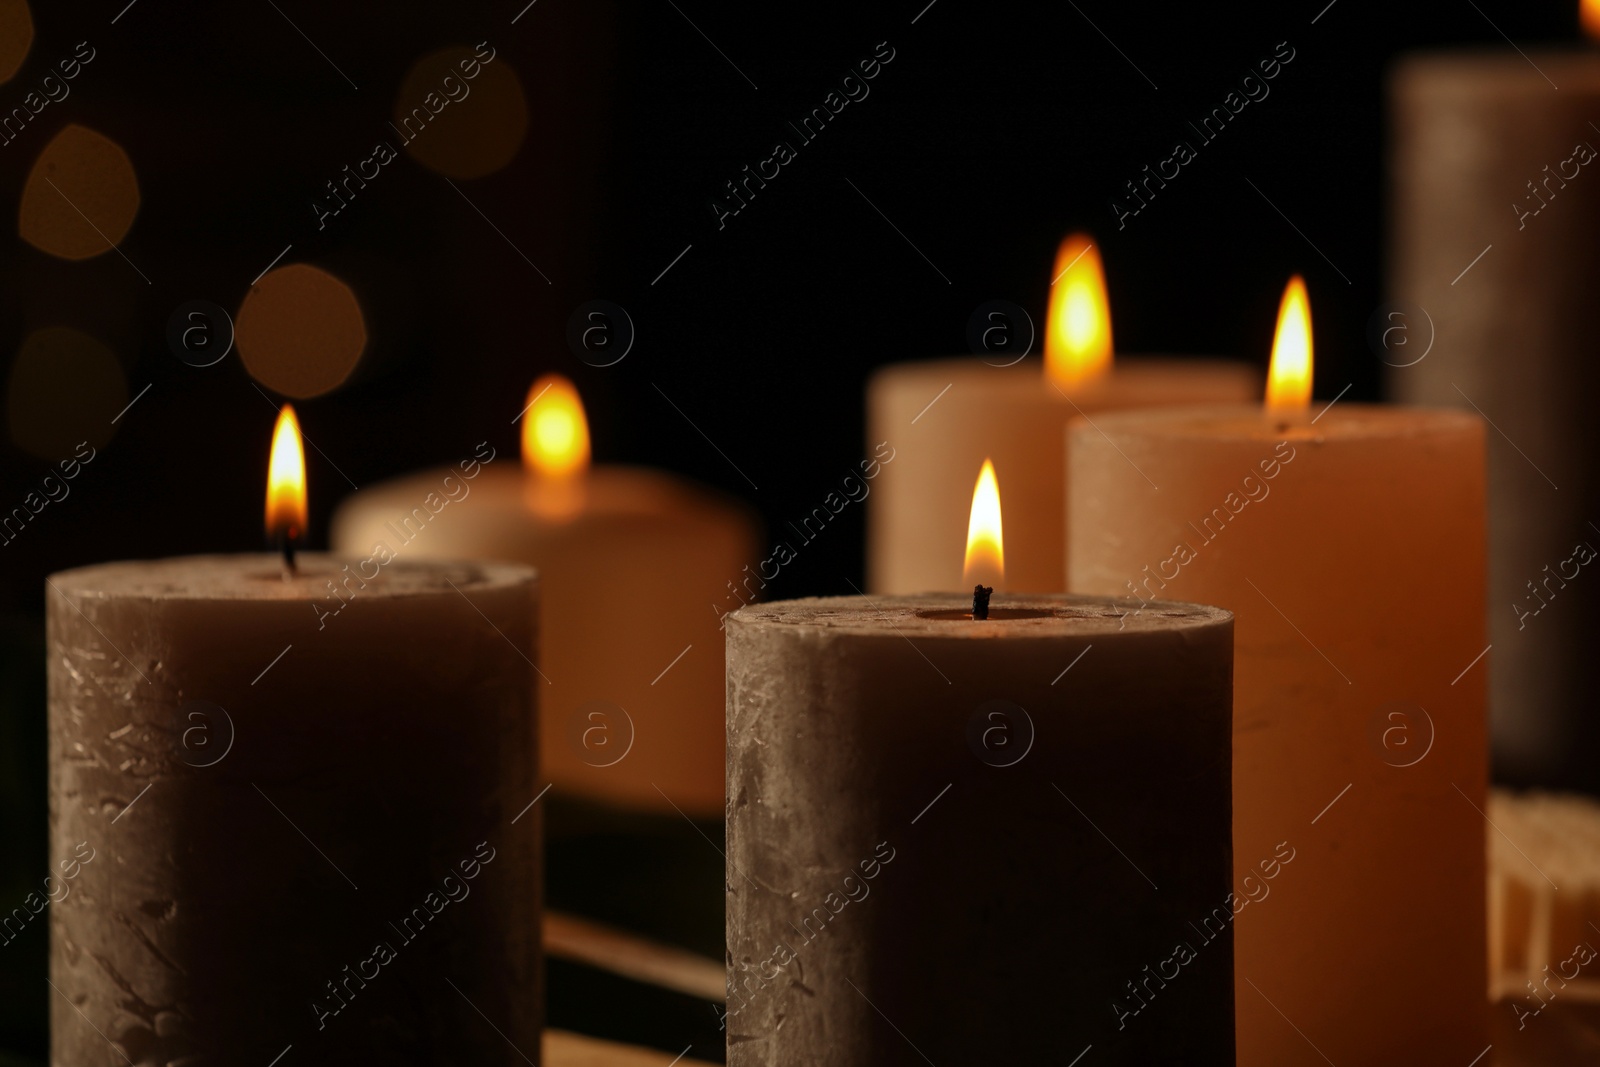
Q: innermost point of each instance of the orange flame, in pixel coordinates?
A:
(986, 557)
(286, 480)
(1589, 18)
(1289, 379)
(1077, 338)
(555, 433)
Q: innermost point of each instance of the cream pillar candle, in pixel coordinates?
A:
(998, 841)
(945, 417)
(1351, 549)
(1493, 239)
(288, 836)
(632, 564)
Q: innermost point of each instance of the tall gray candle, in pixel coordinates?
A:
(997, 841)
(310, 835)
(1494, 261)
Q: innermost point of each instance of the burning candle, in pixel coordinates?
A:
(1350, 547)
(944, 417)
(631, 562)
(984, 840)
(297, 835)
(1494, 272)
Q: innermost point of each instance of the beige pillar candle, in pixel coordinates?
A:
(1494, 264)
(632, 564)
(1350, 547)
(999, 841)
(945, 417)
(286, 836)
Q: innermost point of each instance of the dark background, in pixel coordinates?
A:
(995, 129)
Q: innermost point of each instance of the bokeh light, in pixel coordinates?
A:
(81, 196)
(65, 387)
(16, 36)
(461, 127)
(300, 331)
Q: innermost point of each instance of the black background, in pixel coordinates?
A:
(995, 129)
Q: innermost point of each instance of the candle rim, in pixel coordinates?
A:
(615, 490)
(1128, 365)
(1064, 617)
(1340, 421)
(231, 577)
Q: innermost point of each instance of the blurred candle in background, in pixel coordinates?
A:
(1494, 268)
(631, 564)
(1350, 546)
(945, 417)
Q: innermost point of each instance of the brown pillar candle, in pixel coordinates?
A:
(1494, 267)
(965, 841)
(311, 844)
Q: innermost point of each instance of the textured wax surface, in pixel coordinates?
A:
(918, 820)
(270, 794)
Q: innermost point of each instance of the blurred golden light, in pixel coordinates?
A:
(286, 480)
(300, 331)
(555, 432)
(1077, 337)
(81, 196)
(1289, 378)
(1589, 18)
(985, 562)
(458, 125)
(65, 388)
(16, 36)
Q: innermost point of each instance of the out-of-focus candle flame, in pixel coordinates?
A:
(1289, 379)
(555, 433)
(286, 480)
(1589, 18)
(1077, 339)
(986, 558)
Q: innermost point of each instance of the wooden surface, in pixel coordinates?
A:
(620, 952)
(1561, 1036)
(562, 1049)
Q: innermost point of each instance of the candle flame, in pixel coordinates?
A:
(1289, 379)
(1589, 18)
(555, 433)
(986, 558)
(1077, 340)
(286, 480)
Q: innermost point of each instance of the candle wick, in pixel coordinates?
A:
(980, 600)
(285, 539)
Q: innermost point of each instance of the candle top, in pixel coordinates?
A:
(1219, 378)
(1339, 422)
(1489, 71)
(947, 616)
(260, 576)
(607, 489)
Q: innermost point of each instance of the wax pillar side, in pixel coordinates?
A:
(1352, 555)
(1514, 335)
(881, 860)
(389, 750)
